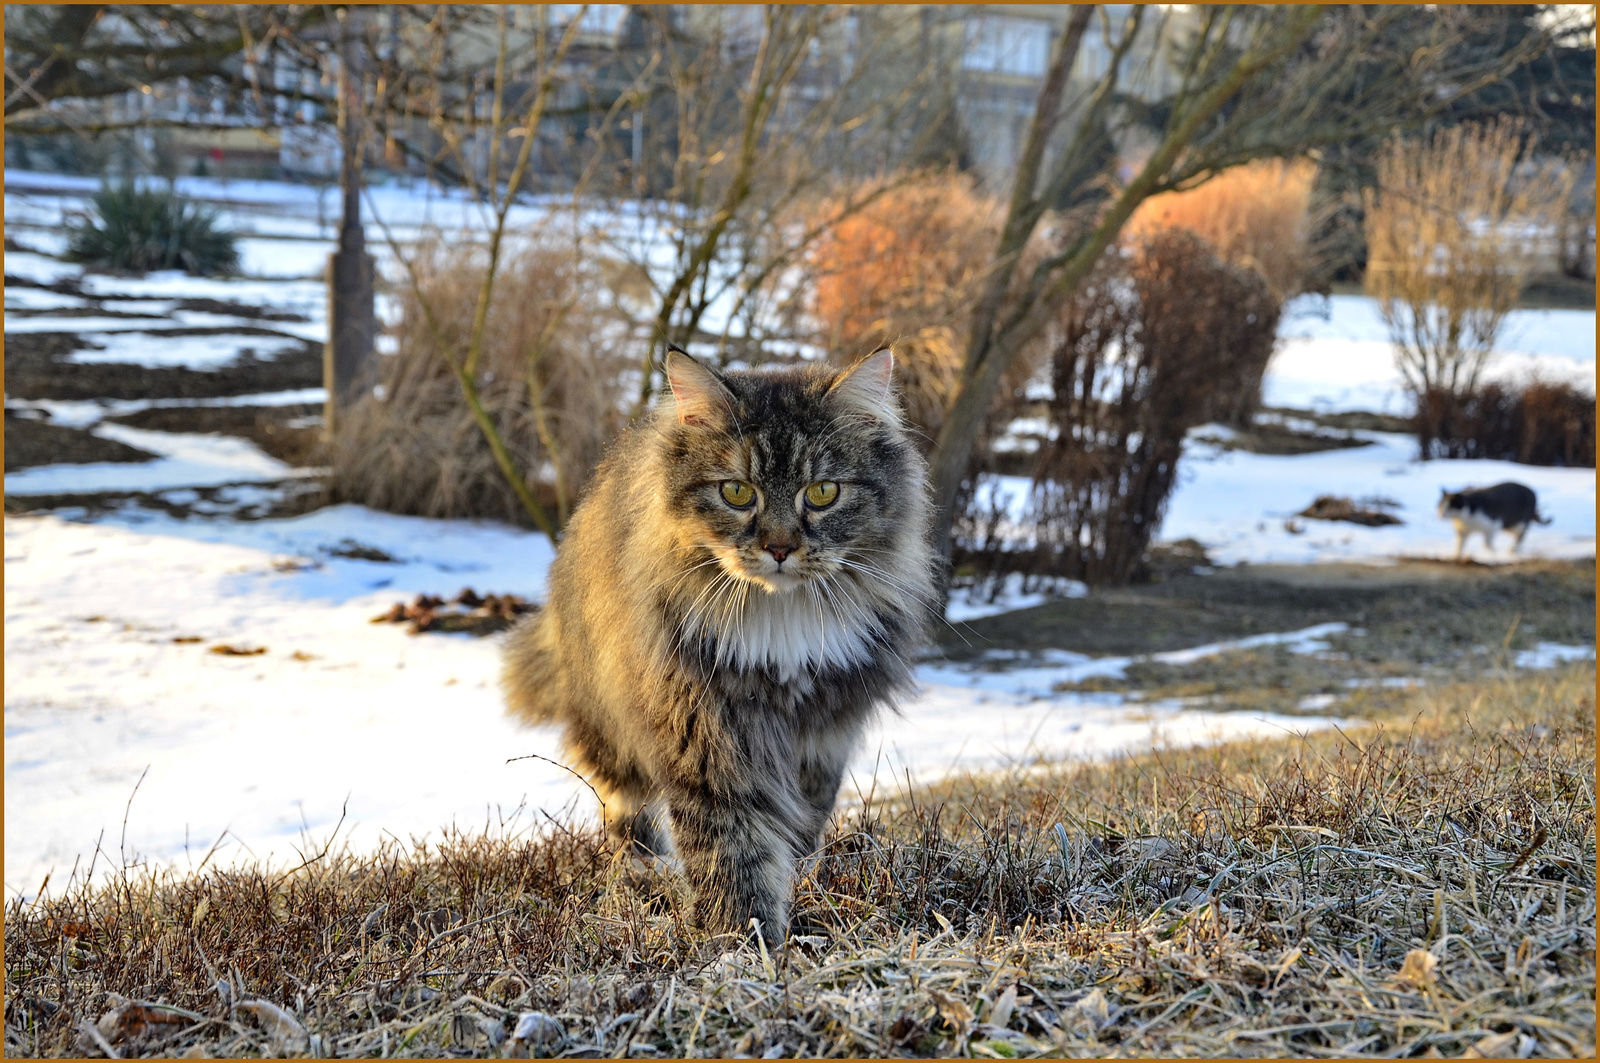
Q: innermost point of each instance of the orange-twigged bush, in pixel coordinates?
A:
(1257, 215)
(905, 270)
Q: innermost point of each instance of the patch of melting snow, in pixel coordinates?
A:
(1394, 682)
(1550, 654)
(82, 414)
(155, 350)
(971, 603)
(1028, 677)
(40, 268)
(182, 460)
(40, 299)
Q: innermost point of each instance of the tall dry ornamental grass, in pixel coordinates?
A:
(1453, 230)
(1257, 215)
(550, 376)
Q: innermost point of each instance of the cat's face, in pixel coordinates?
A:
(1449, 503)
(787, 477)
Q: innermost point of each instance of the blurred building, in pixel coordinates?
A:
(988, 62)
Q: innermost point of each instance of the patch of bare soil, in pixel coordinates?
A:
(35, 369)
(281, 431)
(1417, 614)
(233, 309)
(31, 442)
(247, 501)
(81, 311)
(1269, 438)
(1349, 420)
(1408, 626)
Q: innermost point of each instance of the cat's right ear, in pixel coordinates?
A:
(700, 396)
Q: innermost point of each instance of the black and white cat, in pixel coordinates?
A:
(1504, 507)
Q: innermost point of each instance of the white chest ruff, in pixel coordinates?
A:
(795, 633)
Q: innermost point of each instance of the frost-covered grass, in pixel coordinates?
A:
(1420, 887)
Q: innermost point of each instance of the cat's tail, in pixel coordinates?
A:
(1537, 519)
(527, 674)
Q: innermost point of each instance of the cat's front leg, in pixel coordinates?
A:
(820, 776)
(737, 849)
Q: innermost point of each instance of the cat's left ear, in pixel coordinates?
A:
(868, 386)
(700, 395)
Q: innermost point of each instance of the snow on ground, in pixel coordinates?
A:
(83, 413)
(1241, 506)
(257, 749)
(1550, 654)
(1335, 354)
(155, 350)
(183, 460)
(408, 729)
(974, 603)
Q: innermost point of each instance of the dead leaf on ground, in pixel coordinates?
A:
(227, 650)
(1094, 1008)
(284, 1029)
(953, 1010)
(302, 655)
(133, 1019)
(469, 612)
(188, 638)
(1495, 1046)
(72, 929)
(1418, 968)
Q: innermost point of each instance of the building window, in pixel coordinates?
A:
(600, 20)
(999, 44)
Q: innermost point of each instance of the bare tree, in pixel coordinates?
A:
(78, 52)
(1253, 82)
(512, 104)
(1452, 233)
(761, 110)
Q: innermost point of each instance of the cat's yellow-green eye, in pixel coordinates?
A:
(738, 493)
(822, 494)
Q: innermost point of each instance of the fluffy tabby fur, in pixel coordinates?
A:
(721, 661)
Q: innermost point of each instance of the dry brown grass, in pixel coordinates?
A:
(1420, 887)
(1257, 215)
(551, 377)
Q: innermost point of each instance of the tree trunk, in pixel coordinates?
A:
(352, 321)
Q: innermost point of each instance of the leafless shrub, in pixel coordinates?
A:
(1452, 234)
(549, 376)
(1163, 337)
(1539, 423)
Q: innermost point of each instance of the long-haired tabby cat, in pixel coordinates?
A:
(740, 589)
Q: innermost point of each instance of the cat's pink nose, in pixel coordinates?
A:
(779, 551)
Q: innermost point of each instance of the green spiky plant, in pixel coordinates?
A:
(152, 228)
